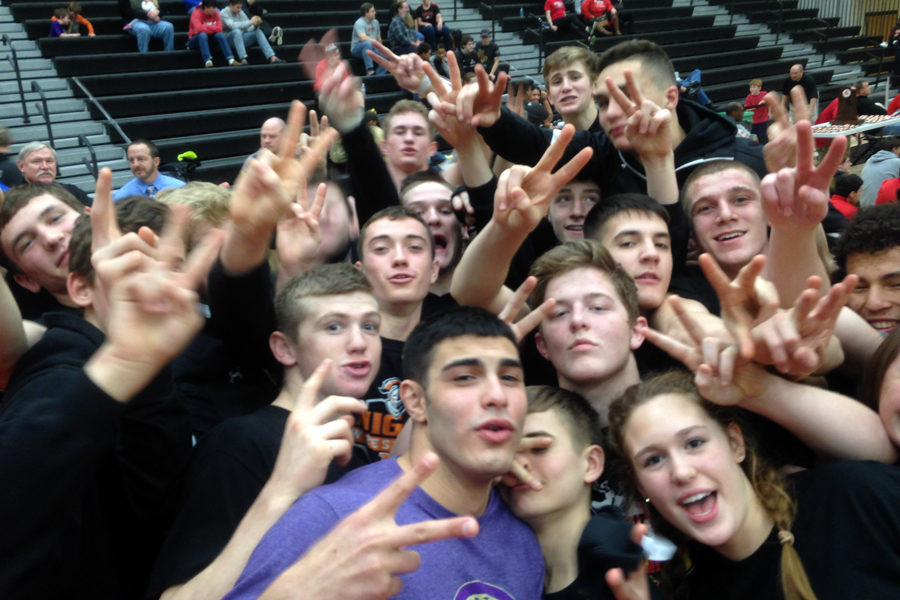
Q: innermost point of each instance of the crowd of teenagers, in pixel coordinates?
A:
(613, 360)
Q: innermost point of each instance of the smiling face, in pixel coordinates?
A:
(612, 118)
(689, 468)
(38, 166)
(398, 261)
(877, 295)
(571, 90)
(564, 472)
(727, 214)
(431, 201)
(474, 405)
(407, 146)
(143, 165)
(570, 207)
(587, 336)
(343, 328)
(641, 244)
(36, 239)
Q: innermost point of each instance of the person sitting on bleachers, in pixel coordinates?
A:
(60, 23)
(146, 24)
(735, 112)
(599, 14)
(366, 29)
(78, 20)
(431, 24)
(438, 60)
(555, 11)
(206, 23)
(37, 163)
(402, 35)
(244, 31)
(466, 56)
(143, 160)
(846, 194)
(864, 104)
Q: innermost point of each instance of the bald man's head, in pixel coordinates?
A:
(270, 134)
(796, 72)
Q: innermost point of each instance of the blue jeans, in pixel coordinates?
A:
(359, 51)
(430, 33)
(201, 41)
(242, 39)
(144, 30)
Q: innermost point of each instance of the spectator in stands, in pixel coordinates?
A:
(60, 23)
(10, 174)
(439, 61)
(538, 109)
(37, 162)
(597, 14)
(243, 31)
(206, 23)
(884, 164)
(78, 20)
(555, 12)
(889, 192)
(270, 135)
(864, 104)
(755, 101)
(365, 30)
(467, 57)
(147, 24)
(846, 194)
(623, 17)
(735, 112)
(430, 23)
(402, 35)
(691, 87)
(143, 160)
(488, 54)
(331, 61)
(796, 77)
(424, 51)
(274, 34)
(870, 249)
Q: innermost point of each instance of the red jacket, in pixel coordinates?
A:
(843, 205)
(894, 105)
(204, 23)
(887, 193)
(591, 9)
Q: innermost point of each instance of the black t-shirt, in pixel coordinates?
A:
(429, 16)
(487, 54)
(536, 113)
(808, 83)
(847, 534)
(377, 429)
(466, 61)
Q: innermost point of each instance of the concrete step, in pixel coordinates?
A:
(60, 130)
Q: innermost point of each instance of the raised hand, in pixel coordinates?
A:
(524, 193)
(363, 555)
(649, 125)
(478, 103)
(518, 472)
(797, 197)
(522, 326)
(781, 151)
(298, 236)
(635, 586)
(406, 68)
(316, 433)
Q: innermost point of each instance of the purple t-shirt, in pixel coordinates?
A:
(503, 561)
(56, 28)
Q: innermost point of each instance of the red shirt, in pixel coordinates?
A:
(761, 114)
(887, 193)
(844, 206)
(204, 23)
(557, 9)
(894, 105)
(591, 9)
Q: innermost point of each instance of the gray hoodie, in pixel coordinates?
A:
(882, 165)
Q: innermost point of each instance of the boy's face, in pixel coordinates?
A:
(877, 295)
(343, 328)
(587, 336)
(407, 145)
(474, 405)
(442, 53)
(36, 239)
(209, 10)
(431, 201)
(641, 244)
(470, 46)
(235, 8)
(570, 207)
(728, 218)
(755, 89)
(560, 468)
(397, 260)
(65, 20)
(612, 118)
(571, 90)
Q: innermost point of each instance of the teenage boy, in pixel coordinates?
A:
(95, 438)
(464, 389)
(695, 133)
(327, 313)
(572, 80)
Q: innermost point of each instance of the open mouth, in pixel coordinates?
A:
(884, 325)
(400, 278)
(731, 235)
(440, 242)
(359, 368)
(496, 430)
(700, 506)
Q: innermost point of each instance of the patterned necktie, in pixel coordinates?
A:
(151, 191)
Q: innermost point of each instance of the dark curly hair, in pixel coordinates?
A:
(874, 229)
